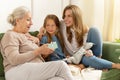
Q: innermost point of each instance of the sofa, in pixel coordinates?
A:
(111, 51)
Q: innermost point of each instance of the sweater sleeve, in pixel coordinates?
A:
(67, 44)
(11, 49)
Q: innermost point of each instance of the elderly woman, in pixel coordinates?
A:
(22, 56)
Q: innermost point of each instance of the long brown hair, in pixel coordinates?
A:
(78, 25)
(57, 23)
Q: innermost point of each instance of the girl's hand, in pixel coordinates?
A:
(45, 50)
(89, 53)
(41, 33)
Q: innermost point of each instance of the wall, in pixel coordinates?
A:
(6, 6)
(93, 11)
(39, 8)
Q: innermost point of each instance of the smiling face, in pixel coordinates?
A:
(23, 25)
(68, 18)
(50, 27)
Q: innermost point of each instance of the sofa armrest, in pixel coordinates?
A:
(113, 74)
(34, 33)
(111, 51)
(117, 56)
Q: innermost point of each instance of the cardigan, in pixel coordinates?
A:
(17, 49)
(73, 46)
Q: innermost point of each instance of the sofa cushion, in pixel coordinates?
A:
(116, 57)
(34, 33)
(2, 78)
(1, 35)
(111, 51)
(1, 61)
(1, 66)
(113, 74)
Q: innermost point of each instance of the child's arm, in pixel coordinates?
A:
(41, 33)
(43, 41)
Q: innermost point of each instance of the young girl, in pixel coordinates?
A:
(52, 34)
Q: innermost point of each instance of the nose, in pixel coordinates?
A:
(65, 18)
(31, 23)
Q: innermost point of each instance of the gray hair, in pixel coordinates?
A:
(18, 13)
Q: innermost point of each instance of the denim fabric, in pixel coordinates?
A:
(58, 53)
(94, 36)
(96, 62)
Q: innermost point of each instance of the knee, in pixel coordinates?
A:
(62, 63)
(94, 34)
(93, 30)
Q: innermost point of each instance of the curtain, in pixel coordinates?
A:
(111, 20)
(104, 14)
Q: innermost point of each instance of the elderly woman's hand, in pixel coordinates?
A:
(43, 50)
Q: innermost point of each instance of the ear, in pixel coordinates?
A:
(17, 21)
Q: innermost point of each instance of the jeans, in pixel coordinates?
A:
(96, 62)
(94, 36)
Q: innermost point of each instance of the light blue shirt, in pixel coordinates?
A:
(58, 53)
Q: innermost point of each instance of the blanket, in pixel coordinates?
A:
(85, 74)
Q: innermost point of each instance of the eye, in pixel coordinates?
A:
(53, 25)
(69, 15)
(47, 25)
(28, 19)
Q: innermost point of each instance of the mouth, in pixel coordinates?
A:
(50, 31)
(67, 22)
(28, 27)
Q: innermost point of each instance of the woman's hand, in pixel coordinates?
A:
(43, 50)
(89, 53)
(41, 33)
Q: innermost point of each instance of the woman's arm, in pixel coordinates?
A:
(12, 50)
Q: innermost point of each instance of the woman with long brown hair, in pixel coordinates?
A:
(76, 34)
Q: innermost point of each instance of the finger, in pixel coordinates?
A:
(29, 38)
